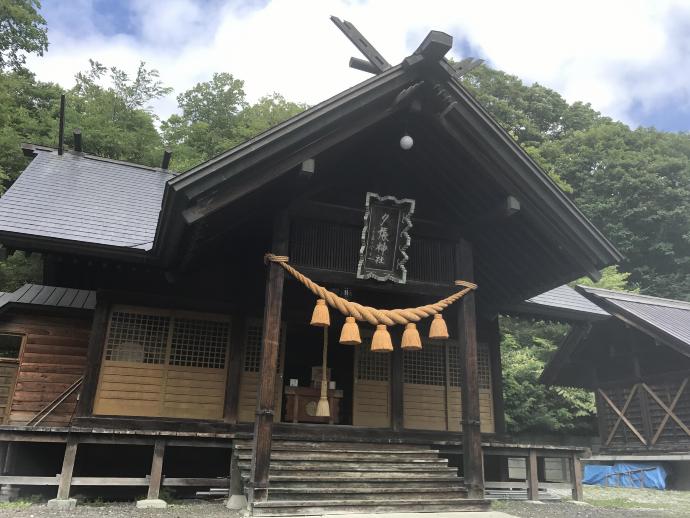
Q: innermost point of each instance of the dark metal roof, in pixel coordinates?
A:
(665, 319)
(86, 199)
(561, 302)
(49, 296)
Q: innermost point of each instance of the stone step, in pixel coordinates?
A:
(371, 493)
(449, 484)
(392, 456)
(342, 476)
(320, 507)
(353, 467)
(336, 446)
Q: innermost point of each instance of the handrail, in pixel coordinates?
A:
(48, 409)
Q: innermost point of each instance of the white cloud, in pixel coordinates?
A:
(611, 53)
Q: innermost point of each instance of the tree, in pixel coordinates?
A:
(115, 120)
(215, 117)
(22, 30)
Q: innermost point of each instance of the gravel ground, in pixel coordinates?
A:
(119, 510)
(600, 503)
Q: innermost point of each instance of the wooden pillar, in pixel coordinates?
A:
(576, 477)
(67, 468)
(156, 470)
(494, 337)
(263, 424)
(232, 384)
(532, 476)
(397, 403)
(94, 357)
(473, 471)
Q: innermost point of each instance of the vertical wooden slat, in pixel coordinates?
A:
(467, 335)
(397, 401)
(263, 424)
(576, 477)
(494, 340)
(156, 469)
(94, 357)
(232, 386)
(67, 468)
(532, 476)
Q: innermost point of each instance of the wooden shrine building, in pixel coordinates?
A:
(637, 362)
(160, 322)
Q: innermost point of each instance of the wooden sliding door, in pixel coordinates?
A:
(251, 363)
(164, 363)
(372, 393)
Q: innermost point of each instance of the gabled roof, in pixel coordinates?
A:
(562, 303)
(665, 320)
(83, 199)
(551, 242)
(40, 296)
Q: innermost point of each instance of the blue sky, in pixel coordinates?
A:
(629, 59)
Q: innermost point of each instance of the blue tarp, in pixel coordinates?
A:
(649, 475)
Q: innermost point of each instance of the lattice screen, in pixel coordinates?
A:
(252, 346)
(162, 337)
(454, 367)
(425, 367)
(373, 366)
(137, 337)
(199, 343)
(483, 366)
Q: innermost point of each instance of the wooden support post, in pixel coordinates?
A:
(232, 384)
(94, 356)
(67, 468)
(156, 470)
(494, 337)
(397, 403)
(473, 471)
(236, 498)
(263, 424)
(532, 476)
(576, 477)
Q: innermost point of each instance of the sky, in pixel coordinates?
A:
(629, 58)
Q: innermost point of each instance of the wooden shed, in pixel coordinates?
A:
(197, 337)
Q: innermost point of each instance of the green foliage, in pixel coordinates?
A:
(531, 407)
(611, 279)
(18, 269)
(215, 117)
(22, 30)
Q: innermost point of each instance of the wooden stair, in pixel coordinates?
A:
(316, 478)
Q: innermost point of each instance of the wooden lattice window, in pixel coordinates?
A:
(252, 346)
(199, 343)
(166, 337)
(373, 366)
(137, 337)
(454, 367)
(426, 366)
(483, 366)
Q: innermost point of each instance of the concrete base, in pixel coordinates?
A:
(153, 503)
(63, 504)
(8, 493)
(237, 502)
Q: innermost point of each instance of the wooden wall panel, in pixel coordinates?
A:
(8, 378)
(53, 357)
(425, 407)
(371, 404)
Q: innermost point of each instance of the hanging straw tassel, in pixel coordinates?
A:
(410, 338)
(439, 330)
(381, 341)
(350, 333)
(323, 409)
(320, 316)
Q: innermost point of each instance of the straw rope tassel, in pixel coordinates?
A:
(387, 317)
(322, 408)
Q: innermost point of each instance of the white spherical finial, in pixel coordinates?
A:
(406, 142)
